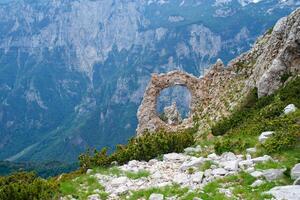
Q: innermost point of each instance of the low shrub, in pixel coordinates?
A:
(225, 144)
(26, 186)
(281, 140)
(145, 147)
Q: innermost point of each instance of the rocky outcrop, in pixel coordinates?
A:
(267, 66)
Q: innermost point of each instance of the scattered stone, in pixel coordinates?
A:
(290, 109)
(207, 172)
(230, 165)
(89, 171)
(257, 183)
(119, 181)
(196, 162)
(290, 192)
(219, 171)
(264, 136)
(264, 158)
(197, 177)
(213, 156)
(181, 178)
(251, 150)
(196, 149)
(245, 163)
(156, 197)
(227, 192)
(250, 170)
(228, 156)
(94, 197)
(174, 157)
(256, 174)
(295, 172)
(297, 181)
(273, 174)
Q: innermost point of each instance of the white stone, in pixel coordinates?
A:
(228, 156)
(245, 163)
(290, 109)
(94, 197)
(156, 197)
(219, 171)
(89, 171)
(251, 150)
(273, 174)
(196, 162)
(196, 149)
(207, 172)
(264, 158)
(197, 177)
(250, 170)
(264, 136)
(295, 172)
(119, 181)
(290, 192)
(297, 181)
(257, 183)
(213, 156)
(181, 178)
(174, 157)
(230, 165)
(256, 174)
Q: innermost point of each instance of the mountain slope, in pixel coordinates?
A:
(72, 73)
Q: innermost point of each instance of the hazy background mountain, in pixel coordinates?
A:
(73, 72)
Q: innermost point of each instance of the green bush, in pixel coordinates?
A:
(237, 117)
(26, 186)
(281, 140)
(230, 144)
(145, 147)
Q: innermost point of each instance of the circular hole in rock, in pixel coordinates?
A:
(173, 104)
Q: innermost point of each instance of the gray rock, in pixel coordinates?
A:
(228, 156)
(172, 114)
(196, 162)
(196, 149)
(89, 171)
(295, 172)
(119, 181)
(290, 192)
(156, 197)
(264, 136)
(257, 183)
(273, 174)
(264, 158)
(230, 165)
(94, 197)
(174, 157)
(181, 178)
(256, 174)
(219, 171)
(197, 177)
(290, 109)
(213, 156)
(245, 163)
(297, 181)
(251, 150)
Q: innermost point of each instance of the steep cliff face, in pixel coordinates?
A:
(73, 72)
(267, 66)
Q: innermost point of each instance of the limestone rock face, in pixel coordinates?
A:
(172, 114)
(275, 56)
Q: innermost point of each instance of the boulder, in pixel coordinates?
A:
(228, 156)
(174, 157)
(264, 158)
(257, 183)
(295, 172)
(273, 174)
(251, 150)
(155, 196)
(289, 109)
(196, 162)
(181, 178)
(94, 197)
(264, 136)
(297, 181)
(290, 192)
(197, 177)
(196, 149)
(256, 174)
(219, 171)
(230, 165)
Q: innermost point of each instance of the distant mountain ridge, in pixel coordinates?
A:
(72, 73)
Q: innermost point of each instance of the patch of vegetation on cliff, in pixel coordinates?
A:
(144, 147)
(242, 128)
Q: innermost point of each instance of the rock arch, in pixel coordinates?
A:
(147, 114)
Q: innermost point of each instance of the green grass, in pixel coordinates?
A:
(81, 187)
(168, 191)
(137, 175)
